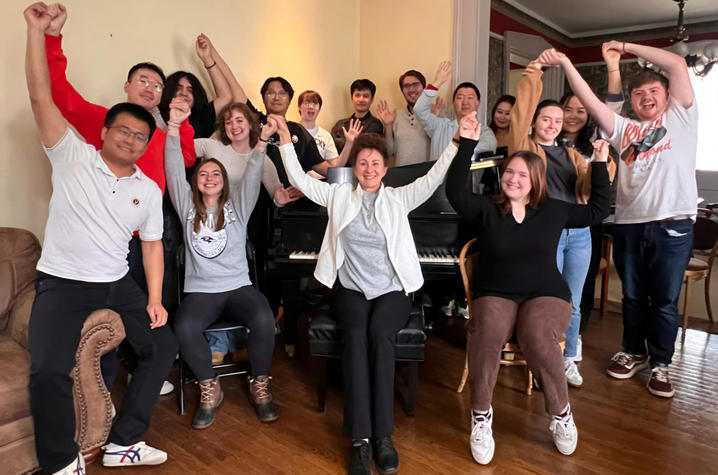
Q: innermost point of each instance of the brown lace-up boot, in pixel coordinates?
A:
(210, 398)
(260, 393)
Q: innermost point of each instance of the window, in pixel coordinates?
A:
(706, 90)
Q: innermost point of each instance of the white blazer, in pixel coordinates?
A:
(392, 207)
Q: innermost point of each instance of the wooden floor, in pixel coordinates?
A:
(622, 428)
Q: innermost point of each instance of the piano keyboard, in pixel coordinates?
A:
(424, 258)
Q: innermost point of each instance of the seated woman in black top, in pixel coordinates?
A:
(517, 284)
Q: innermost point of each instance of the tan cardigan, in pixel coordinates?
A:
(527, 99)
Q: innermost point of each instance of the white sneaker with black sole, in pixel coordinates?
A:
(131, 455)
(565, 434)
(482, 438)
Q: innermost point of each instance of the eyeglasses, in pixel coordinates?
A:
(127, 133)
(310, 104)
(272, 94)
(146, 84)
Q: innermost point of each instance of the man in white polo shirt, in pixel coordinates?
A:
(98, 200)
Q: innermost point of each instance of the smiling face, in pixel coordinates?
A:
(122, 143)
(465, 102)
(502, 115)
(649, 101)
(144, 88)
(185, 91)
(516, 181)
(411, 88)
(575, 116)
(369, 168)
(547, 125)
(237, 127)
(276, 99)
(362, 100)
(209, 180)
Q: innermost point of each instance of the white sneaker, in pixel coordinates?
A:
(482, 439)
(579, 350)
(448, 309)
(573, 377)
(135, 454)
(167, 388)
(76, 467)
(565, 434)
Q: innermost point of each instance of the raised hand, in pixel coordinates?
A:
(535, 64)
(551, 57)
(443, 73)
(386, 116)
(58, 13)
(179, 110)
(600, 151)
(282, 128)
(611, 52)
(355, 128)
(38, 16)
(203, 47)
(286, 195)
(438, 106)
(270, 128)
(469, 126)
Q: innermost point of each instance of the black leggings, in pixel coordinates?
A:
(369, 328)
(245, 305)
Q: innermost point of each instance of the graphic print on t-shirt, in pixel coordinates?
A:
(208, 242)
(638, 144)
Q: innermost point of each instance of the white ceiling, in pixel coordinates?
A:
(581, 18)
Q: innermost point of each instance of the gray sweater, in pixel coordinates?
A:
(215, 261)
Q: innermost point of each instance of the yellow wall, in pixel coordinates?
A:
(398, 35)
(316, 44)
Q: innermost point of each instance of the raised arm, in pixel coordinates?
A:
(206, 53)
(600, 111)
(458, 190)
(244, 193)
(387, 118)
(680, 86)
(599, 204)
(422, 108)
(49, 120)
(614, 91)
(316, 190)
(179, 190)
(355, 128)
(87, 118)
(236, 90)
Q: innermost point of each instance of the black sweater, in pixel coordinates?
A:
(518, 260)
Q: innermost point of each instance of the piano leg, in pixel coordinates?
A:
(290, 299)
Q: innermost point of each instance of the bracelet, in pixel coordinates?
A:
(263, 140)
(210, 67)
(623, 48)
(613, 70)
(173, 124)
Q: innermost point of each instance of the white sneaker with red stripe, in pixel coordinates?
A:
(77, 467)
(135, 454)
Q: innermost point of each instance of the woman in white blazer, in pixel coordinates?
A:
(368, 245)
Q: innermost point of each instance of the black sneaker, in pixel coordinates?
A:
(360, 460)
(385, 457)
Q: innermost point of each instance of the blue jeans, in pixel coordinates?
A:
(573, 257)
(651, 259)
(223, 342)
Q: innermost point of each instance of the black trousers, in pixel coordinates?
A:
(245, 305)
(370, 328)
(58, 314)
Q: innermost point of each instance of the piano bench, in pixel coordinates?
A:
(325, 341)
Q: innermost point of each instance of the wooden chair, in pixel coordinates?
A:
(705, 247)
(511, 353)
(604, 269)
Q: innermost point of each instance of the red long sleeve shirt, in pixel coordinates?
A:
(88, 118)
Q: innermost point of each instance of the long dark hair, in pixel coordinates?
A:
(537, 176)
(508, 98)
(171, 84)
(200, 209)
(583, 140)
